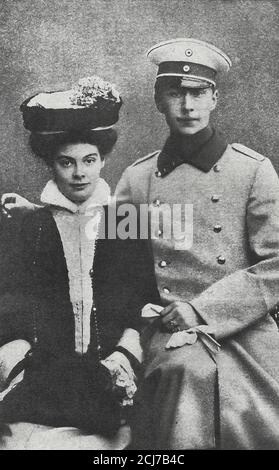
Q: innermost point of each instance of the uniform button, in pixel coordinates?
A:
(157, 203)
(221, 260)
(186, 68)
(158, 173)
(91, 272)
(94, 309)
(166, 290)
(217, 228)
(215, 198)
(217, 168)
(163, 264)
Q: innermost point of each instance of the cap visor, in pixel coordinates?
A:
(194, 83)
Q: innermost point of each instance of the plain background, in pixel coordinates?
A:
(50, 44)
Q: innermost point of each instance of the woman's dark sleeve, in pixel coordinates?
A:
(14, 303)
(124, 281)
(140, 281)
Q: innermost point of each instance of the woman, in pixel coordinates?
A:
(75, 295)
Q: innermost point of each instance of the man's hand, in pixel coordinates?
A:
(11, 202)
(179, 316)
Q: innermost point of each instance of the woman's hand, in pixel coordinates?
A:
(179, 316)
(123, 377)
(10, 355)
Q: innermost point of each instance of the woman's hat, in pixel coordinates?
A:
(92, 104)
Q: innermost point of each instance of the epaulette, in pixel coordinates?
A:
(248, 152)
(146, 157)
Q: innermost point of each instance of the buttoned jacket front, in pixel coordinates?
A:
(234, 256)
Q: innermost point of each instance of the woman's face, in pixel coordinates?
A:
(76, 170)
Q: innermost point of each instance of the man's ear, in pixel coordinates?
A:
(103, 163)
(159, 103)
(215, 96)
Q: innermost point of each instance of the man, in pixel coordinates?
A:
(195, 397)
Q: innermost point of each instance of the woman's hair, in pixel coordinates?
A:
(45, 146)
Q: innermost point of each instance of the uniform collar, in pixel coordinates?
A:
(52, 196)
(201, 150)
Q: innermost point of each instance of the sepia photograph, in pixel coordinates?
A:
(139, 227)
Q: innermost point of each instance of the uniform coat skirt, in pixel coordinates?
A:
(194, 399)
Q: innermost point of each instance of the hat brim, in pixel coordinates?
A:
(39, 119)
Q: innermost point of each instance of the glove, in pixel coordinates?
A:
(123, 377)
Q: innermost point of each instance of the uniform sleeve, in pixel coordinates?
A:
(244, 297)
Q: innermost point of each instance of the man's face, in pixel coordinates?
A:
(187, 110)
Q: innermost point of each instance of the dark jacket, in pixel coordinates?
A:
(61, 388)
(35, 292)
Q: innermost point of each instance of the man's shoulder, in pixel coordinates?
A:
(147, 159)
(244, 151)
(137, 176)
(244, 164)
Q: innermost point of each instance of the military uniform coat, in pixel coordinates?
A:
(230, 275)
